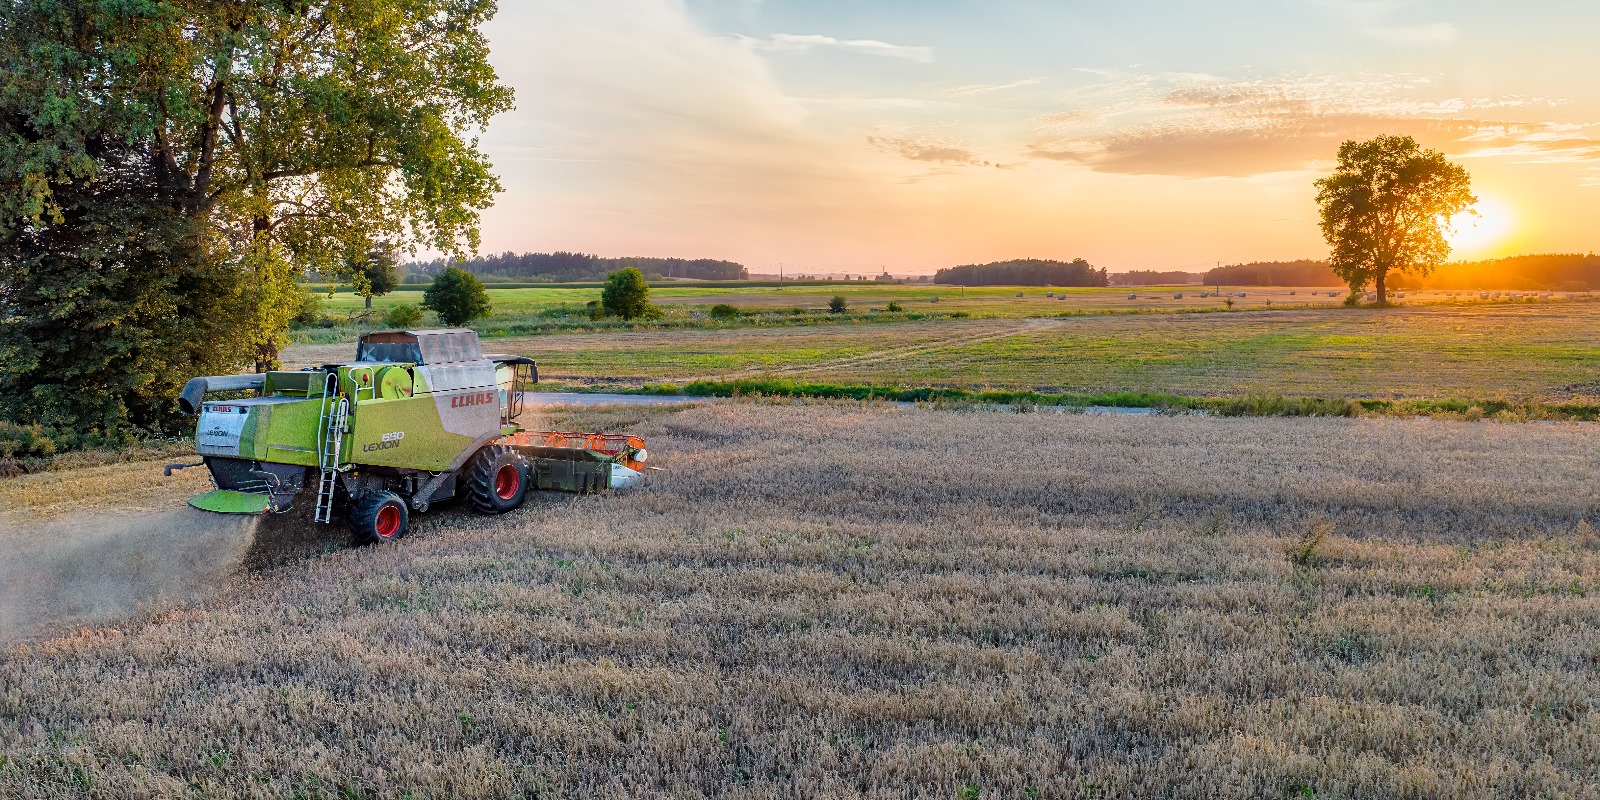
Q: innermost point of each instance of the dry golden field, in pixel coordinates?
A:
(857, 601)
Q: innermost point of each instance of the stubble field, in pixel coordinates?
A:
(858, 601)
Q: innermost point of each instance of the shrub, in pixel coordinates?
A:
(1353, 300)
(595, 310)
(404, 315)
(308, 307)
(626, 295)
(457, 296)
(837, 304)
(893, 306)
(724, 312)
(25, 441)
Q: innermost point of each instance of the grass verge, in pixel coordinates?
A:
(1263, 405)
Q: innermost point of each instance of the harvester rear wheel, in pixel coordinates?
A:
(380, 517)
(497, 480)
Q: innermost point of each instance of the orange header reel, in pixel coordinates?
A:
(624, 449)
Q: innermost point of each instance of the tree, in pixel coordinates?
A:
(1386, 208)
(457, 297)
(836, 305)
(292, 132)
(106, 313)
(374, 274)
(626, 294)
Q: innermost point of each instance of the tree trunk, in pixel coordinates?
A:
(1383, 297)
(369, 302)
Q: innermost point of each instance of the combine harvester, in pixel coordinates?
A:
(419, 417)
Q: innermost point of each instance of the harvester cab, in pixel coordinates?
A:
(417, 418)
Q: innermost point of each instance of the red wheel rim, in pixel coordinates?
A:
(387, 522)
(507, 481)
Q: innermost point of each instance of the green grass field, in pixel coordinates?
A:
(542, 309)
(1544, 352)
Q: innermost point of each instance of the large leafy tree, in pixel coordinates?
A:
(104, 314)
(1387, 208)
(276, 135)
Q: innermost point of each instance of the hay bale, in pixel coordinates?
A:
(1178, 296)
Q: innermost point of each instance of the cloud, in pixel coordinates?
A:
(1174, 125)
(979, 88)
(638, 130)
(805, 43)
(926, 148)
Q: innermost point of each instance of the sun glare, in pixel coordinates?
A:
(1475, 234)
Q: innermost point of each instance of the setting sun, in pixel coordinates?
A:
(1475, 234)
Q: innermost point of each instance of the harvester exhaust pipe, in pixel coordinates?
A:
(195, 391)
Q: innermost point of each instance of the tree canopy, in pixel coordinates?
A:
(374, 274)
(626, 294)
(457, 296)
(1386, 208)
(1025, 272)
(272, 137)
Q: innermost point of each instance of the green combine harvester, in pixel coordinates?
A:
(418, 418)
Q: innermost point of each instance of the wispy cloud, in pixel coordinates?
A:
(805, 43)
(926, 148)
(1176, 125)
(981, 88)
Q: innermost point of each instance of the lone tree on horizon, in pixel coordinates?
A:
(1387, 207)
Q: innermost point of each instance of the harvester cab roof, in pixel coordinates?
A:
(418, 417)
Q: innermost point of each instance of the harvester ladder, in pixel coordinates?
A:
(335, 416)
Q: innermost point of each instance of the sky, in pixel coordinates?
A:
(854, 136)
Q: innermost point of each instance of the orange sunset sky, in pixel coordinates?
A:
(833, 136)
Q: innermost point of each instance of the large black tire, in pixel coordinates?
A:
(380, 517)
(497, 480)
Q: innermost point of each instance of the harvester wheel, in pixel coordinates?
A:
(497, 480)
(380, 517)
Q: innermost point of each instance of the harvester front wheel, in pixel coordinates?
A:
(497, 480)
(380, 517)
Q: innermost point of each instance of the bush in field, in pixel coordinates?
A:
(595, 310)
(404, 315)
(724, 312)
(457, 297)
(837, 304)
(308, 308)
(626, 295)
(893, 306)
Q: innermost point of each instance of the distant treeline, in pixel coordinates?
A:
(1558, 272)
(1274, 273)
(1150, 277)
(564, 267)
(1025, 272)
